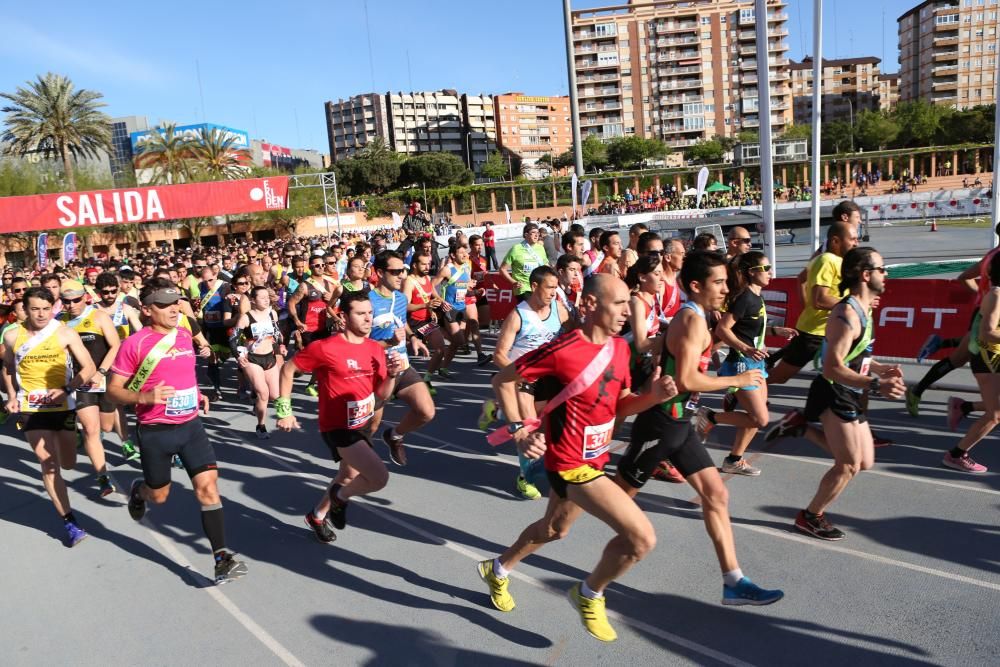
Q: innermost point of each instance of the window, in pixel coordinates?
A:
(947, 18)
(705, 20)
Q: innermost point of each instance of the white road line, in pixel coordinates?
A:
(262, 635)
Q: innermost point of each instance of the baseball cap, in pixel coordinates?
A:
(71, 289)
(163, 297)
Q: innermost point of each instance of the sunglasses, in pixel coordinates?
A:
(331, 264)
(395, 272)
(241, 282)
(201, 267)
(19, 289)
(743, 239)
(316, 266)
(67, 302)
(880, 269)
(113, 290)
(761, 267)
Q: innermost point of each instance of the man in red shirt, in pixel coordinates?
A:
(353, 373)
(489, 241)
(576, 444)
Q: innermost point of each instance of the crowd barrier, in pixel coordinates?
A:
(909, 311)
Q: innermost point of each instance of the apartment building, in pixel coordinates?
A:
(531, 126)
(479, 128)
(850, 86)
(948, 52)
(678, 70)
(352, 123)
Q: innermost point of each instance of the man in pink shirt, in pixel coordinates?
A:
(490, 244)
(155, 372)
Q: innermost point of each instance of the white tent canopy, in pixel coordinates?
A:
(690, 192)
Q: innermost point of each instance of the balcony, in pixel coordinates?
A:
(946, 40)
(610, 48)
(680, 129)
(598, 77)
(607, 106)
(670, 100)
(748, 50)
(593, 34)
(682, 26)
(945, 70)
(593, 64)
(748, 34)
(603, 92)
(677, 71)
(946, 55)
(747, 65)
(675, 41)
(597, 121)
(672, 114)
(944, 85)
(748, 80)
(680, 85)
(777, 16)
(681, 143)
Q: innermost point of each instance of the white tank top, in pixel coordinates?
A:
(534, 331)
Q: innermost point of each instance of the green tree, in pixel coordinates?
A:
(705, 152)
(563, 160)
(875, 130)
(632, 151)
(749, 137)
(50, 117)
(836, 137)
(495, 167)
(215, 155)
(595, 153)
(973, 125)
(168, 154)
(919, 123)
(798, 132)
(435, 170)
(727, 143)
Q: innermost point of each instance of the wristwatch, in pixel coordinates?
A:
(103, 371)
(873, 386)
(514, 427)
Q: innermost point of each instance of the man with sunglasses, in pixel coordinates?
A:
(155, 371)
(124, 314)
(18, 286)
(213, 295)
(738, 242)
(94, 409)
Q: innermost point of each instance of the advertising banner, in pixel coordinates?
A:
(500, 294)
(69, 247)
(68, 210)
(43, 251)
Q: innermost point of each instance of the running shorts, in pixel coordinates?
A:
(801, 350)
(451, 315)
(840, 400)
(265, 361)
(343, 437)
(310, 336)
(407, 378)
(559, 480)
(655, 437)
(85, 399)
(219, 342)
(741, 364)
(159, 442)
(985, 362)
(63, 420)
(423, 328)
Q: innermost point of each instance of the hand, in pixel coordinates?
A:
(785, 332)
(56, 396)
(13, 406)
(338, 321)
(757, 354)
(531, 444)
(288, 423)
(301, 327)
(394, 363)
(159, 395)
(242, 361)
(663, 386)
(876, 301)
(204, 404)
(419, 348)
(282, 350)
(892, 387)
(751, 378)
(445, 306)
(893, 371)
(205, 351)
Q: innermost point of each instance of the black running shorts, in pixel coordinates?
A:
(801, 350)
(840, 400)
(159, 442)
(985, 362)
(655, 437)
(559, 480)
(343, 437)
(407, 378)
(85, 399)
(48, 421)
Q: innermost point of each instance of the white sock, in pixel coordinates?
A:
(498, 569)
(319, 514)
(732, 577)
(586, 592)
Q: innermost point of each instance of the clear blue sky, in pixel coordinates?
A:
(267, 68)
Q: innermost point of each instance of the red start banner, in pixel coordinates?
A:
(73, 210)
(908, 312)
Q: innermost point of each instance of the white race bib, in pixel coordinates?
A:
(597, 440)
(98, 385)
(184, 402)
(360, 412)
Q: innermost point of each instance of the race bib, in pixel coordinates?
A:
(427, 328)
(597, 440)
(360, 412)
(36, 400)
(98, 385)
(384, 321)
(460, 293)
(866, 365)
(184, 402)
(692, 403)
(261, 329)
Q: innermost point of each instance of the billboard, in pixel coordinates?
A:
(192, 133)
(276, 156)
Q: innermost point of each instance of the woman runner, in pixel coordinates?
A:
(257, 346)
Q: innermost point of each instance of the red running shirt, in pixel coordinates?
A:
(579, 431)
(347, 375)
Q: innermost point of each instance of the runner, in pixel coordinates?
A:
(213, 292)
(422, 302)
(534, 322)
(456, 278)
(353, 373)
(39, 379)
(257, 347)
(593, 256)
(575, 445)
(95, 411)
(355, 280)
(154, 371)
(390, 330)
(522, 259)
(836, 395)
(737, 242)
(569, 268)
(630, 254)
(611, 246)
(477, 306)
(665, 431)
(307, 307)
(984, 347)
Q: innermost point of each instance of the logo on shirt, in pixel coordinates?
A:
(353, 365)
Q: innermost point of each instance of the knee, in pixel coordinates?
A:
(424, 412)
(866, 465)
(716, 496)
(850, 468)
(207, 495)
(642, 542)
(760, 419)
(50, 467)
(993, 417)
(556, 531)
(159, 496)
(379, 480)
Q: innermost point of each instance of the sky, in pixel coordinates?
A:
(268, 68)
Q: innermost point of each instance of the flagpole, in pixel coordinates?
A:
(764, 113)
(816, 120)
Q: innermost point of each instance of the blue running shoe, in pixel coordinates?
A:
(75, 534)
(747, 592)
(931, 345)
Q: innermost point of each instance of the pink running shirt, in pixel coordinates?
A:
(176, 369)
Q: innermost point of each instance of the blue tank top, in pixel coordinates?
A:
(534, 331)
(214, 310)
(457, 286)
(388, 315)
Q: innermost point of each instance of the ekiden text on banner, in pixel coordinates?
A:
(73, 210)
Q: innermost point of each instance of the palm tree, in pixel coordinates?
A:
(50, 117)
(215, 156)
(167, 153)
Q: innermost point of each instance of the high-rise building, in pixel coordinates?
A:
(679, 70)
(948, 52)
(531, 126)
(479, 129)
(850, 86)
(122, 158)
(352, 123)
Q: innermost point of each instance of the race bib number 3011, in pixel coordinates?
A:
(597, 440)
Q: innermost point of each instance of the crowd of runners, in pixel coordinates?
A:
(605, 328)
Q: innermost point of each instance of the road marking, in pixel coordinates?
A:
(262, 635)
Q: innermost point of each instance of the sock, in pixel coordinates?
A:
(732, 577)
(525, 463)
(956, 452)
(586, 592)
(937, 371)
(214, 375)
(809, 515)
(318, 513)
(733, 458)
(213, 524)
(498, 569)
(335, 495)
(710, 414)
(69, 518)
(967, 408)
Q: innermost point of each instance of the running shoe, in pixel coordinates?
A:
(488, 414)
(227, 568)
(445, 374)
(963, 463)
(955, 413)
(930, 346)
(818, 527)
(105, 486)
(668, 473)
(464, 349)
(319, 527)
(74, 533)
(397, 452)
(792, 425)
(499, 595)
(729, 401)
(136, 505)
(312, 390)
(703, 422)
(593, 615)
(431, 389)
(746, 592)
(740, 467)
(483, 360)
(176, 460)
(527, 489)
(879, 441)
(262, 433)
(912, 403)
(337, 516)
(130, 451)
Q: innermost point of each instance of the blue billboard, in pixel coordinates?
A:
(192, 133)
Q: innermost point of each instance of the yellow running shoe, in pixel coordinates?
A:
(499, 596)
(488, 415)
(592, 613)
(527, 489)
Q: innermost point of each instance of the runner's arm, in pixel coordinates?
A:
(505, 385)
(841, 329)
(824, 298)
(990, 314)
(71, 340)
(287, 378)
(132, 317)
(9, 369)
(234, 340)
(113, 339)
(970, 275)
(724, 332)
(508, 330)
(293, 302)
(686, 342)
(638, 323)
